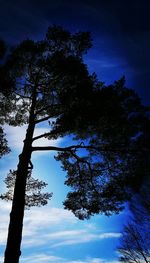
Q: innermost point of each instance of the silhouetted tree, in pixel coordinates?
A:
(135, 241)
(140, 205)
(33, 194)
(3, 142)
(108, 126)
(135, 245)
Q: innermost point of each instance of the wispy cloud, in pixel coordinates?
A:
(37, 222)
(54, 238)
(16, 135)
(4, 220)
(43, 258)
(94, 260)
(83, 236)
(41, 228)
(45, 223)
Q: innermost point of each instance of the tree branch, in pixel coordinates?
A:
(43, 119)
(55, 148)
(46, 118)
(22, 96)
(44, 135)
(82, 160)
(39, 111)
(52, 107)
(99, 149)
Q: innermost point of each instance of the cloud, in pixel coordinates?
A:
(52, 227)
(16, 136)
(49, 228)
(41, 258)
(44, 258)
(45, 222)
(36, 221)
(4, 220)
(92, 260)
(109, 235)
(83, 236)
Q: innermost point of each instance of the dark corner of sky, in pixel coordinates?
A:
(120, 32)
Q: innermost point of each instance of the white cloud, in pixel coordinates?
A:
(93, 260)
(35, 221)
(41, 222)
(16, 135)
(66, 234)
(45, 258)
(44, 141)
(82, 236)
(4, 220)
(109, 235)
(51, 227)
(41, 258)
(45, 223)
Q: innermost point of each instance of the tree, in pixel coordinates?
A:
(33, 194)
(50, 82)
(3, 142)
(135, 242)
(135, 245)
(140, 206)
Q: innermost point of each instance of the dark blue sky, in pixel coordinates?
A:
(120, 31)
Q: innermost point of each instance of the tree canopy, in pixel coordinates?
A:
(109, 124)
(3, 142)
(108, 158)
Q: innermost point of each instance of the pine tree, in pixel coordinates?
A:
(50, 82)
(4, 149)
(33, 194)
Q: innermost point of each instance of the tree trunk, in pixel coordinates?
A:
(13, 252)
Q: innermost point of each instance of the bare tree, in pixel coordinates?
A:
(135, 244)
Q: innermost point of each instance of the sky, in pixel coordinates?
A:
(121, 39)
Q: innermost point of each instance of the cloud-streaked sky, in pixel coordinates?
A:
(52, 234)
(121, 40)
